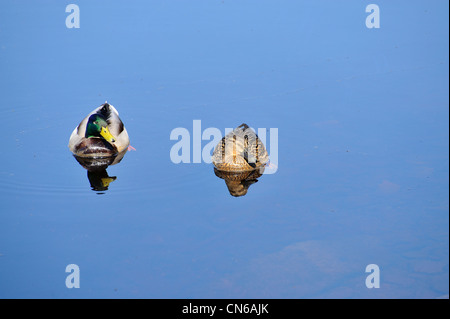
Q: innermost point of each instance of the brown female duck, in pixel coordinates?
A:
(240, 150)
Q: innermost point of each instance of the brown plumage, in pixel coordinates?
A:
(240, 150)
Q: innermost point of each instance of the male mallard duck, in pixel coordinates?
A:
(240, 150)
(100, 134)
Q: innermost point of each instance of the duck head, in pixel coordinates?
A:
(98, 127)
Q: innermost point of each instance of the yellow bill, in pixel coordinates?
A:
(107, 180)
(107, 135)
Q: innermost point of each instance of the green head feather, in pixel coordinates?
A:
(98, 127)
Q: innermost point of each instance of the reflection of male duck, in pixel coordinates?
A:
(101, 163)
(96, 170)
(100, 180)
(239, 159)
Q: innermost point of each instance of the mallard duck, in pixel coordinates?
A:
(240, 150)
(100, 134)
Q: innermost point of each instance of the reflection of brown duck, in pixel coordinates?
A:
(239, 182)
(240, 150)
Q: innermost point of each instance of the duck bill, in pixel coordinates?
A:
(107, 135)
(107, 180)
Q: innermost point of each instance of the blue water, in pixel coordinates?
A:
(362, 118)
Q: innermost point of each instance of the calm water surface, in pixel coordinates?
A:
(362, 118)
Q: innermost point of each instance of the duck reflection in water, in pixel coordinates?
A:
(96, 170)
(239, 158)
(238, 183)
(100, 140)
